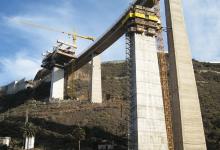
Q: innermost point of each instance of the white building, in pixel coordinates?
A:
(29, 142)
(5, 140)
(16, 86)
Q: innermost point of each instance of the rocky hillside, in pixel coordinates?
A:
(208, 82)
(54, 122)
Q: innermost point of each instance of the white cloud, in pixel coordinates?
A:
(26, 62)
(40, 38)
(64, 17)
(203, 24)
(202, 18)
(17, 67)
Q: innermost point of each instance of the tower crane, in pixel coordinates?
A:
(74, 35)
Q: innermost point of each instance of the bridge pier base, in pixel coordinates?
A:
(57, 84)
(96, 80)
(147, 128)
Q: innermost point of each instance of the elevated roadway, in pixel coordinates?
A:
(108, 38)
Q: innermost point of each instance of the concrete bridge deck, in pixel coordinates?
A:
(107, 39)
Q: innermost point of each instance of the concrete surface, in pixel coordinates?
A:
(187, 120)
(147, 131)
(5, 140)
(96, 80)
(57, 83)
(29, 142)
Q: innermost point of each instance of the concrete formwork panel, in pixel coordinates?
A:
(57, 83)
(96, 80)
(147, 130)
(187, 120)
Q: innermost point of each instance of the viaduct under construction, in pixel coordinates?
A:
(165, 111)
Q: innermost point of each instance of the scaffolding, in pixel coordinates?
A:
(159, 37)
(164, 81)
(128, 63)
(128, 45)
(166, 97)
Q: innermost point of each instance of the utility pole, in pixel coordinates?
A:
(79, 144)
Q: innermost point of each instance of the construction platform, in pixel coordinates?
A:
(58, 58)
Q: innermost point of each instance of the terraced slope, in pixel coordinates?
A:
(54, 122)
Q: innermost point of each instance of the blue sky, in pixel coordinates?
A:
(22, 45)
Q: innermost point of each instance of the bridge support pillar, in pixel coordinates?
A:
(187, 119)
(147, 128)
(57, 84)
(96, 80)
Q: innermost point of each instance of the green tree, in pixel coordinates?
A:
(28, 130)
(79, 134)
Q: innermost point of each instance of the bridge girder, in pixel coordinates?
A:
(141, 19)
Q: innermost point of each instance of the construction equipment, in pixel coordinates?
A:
(146, 3)
(74, 35)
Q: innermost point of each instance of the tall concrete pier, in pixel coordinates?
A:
(148, 129)
(187, 120)
(55, 62)
(96, 80)
(57, 83)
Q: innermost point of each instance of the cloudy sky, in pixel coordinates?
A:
(22, 45)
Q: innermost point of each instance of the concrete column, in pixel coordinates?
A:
(147, 130)
(57, 83)
(96, 80)
(29, 142)
(187, 120)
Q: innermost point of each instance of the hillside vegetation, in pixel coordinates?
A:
(55, 121)
(208, 83)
